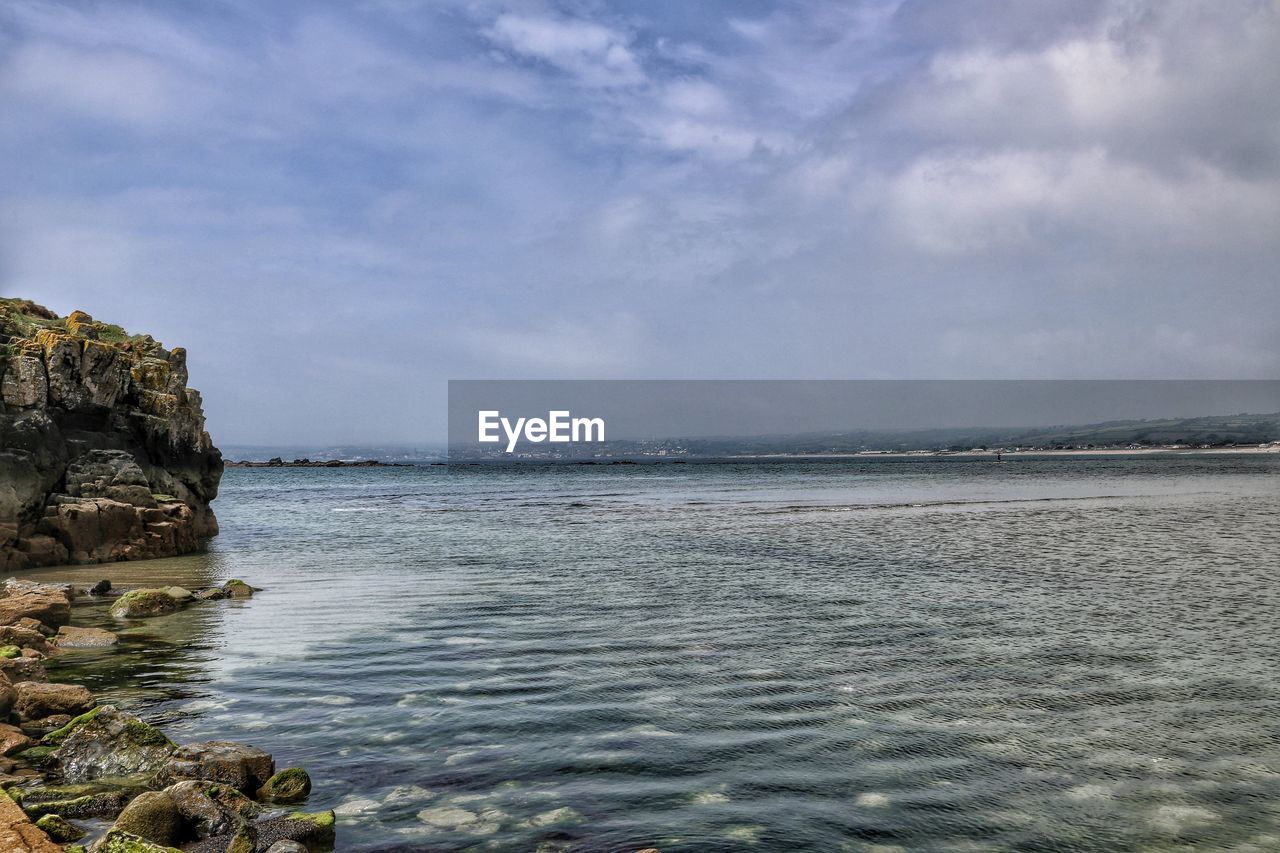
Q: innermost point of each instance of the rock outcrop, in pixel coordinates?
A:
(103, 451)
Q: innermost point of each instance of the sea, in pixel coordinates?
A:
(877, 654)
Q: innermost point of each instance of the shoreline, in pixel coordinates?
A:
(984, 454)
(73, 771)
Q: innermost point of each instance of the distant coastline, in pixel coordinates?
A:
(318, 463)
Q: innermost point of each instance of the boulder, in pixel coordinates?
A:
(288, 786)
(36, 625)
(237, 589)
(21, 669)
(286, 847)
(25, 638)
(212, 594)
(108, 742)
(210, 810)
(48, 604)
(60, 829)
(100, 588)
(76, 801)
(151, 816)
(12, 739)
(84, 638)
(245, 768)
(36, 700)
(143, 603)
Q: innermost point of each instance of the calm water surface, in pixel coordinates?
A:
(1073, 654)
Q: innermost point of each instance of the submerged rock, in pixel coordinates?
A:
(108, 742)
(245, 768)
(84, 638)
(288, 786)
(151, 816)
(236, 588)
(102, 587)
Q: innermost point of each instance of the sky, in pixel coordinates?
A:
(337, 206)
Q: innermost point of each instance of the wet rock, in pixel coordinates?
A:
(100, 588)
(286, 847)
(237, 589)
(116, 841)
(24, 637)
(151, 816)
(315, 831)
(143, 603)
(245, 768)
(43, 726)
(48, 604)
(59, 829)
(243, 840)
(34, 625)
(72, 801)
(21, 669)
(18, 834)
(288, 786)
(36, 700)
(12, 739)
(209, 809)
(84, 638)
(108, 742)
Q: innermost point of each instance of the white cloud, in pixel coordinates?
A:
(595, 54)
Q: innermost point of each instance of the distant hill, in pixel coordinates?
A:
(1213, 431)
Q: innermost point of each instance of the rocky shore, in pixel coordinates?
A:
(103, 451)
(79, 776)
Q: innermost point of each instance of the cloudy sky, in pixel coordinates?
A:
(336, 206)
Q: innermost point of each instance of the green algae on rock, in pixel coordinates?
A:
(291, 785)
(151, 816)
(60, 829)
(107, 742)
(116, 841)
(143, 603)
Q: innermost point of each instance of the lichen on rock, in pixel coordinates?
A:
(103, 451)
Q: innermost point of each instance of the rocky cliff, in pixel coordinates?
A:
(103, 452)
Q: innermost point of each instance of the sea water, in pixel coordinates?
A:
(892, 654)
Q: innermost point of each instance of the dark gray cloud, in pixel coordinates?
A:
(336, 207)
